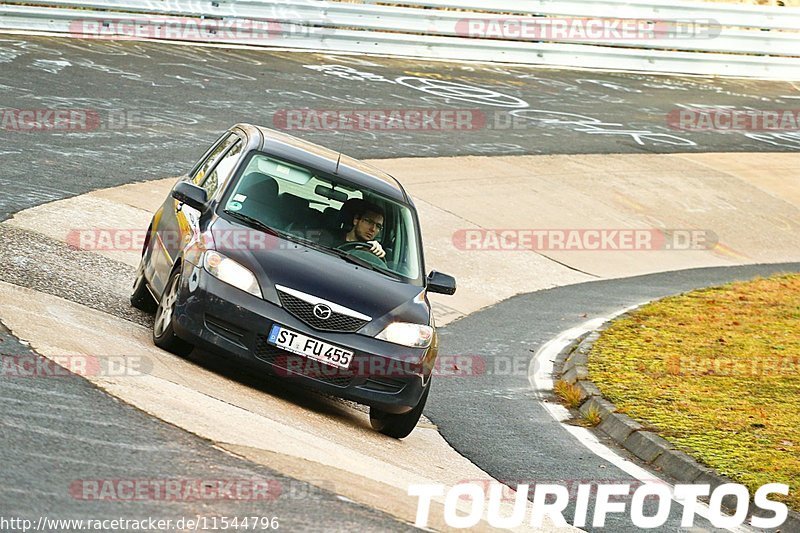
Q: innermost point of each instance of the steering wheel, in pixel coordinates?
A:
(361, 250)
(354, 245)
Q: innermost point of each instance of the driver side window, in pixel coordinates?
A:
(213, 157)
(219, 176)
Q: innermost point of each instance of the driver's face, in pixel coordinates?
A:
(367, 227)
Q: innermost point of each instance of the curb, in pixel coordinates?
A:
(631, 435)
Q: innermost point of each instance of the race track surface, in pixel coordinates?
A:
(158, 108)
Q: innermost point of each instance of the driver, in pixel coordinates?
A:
(367, 224)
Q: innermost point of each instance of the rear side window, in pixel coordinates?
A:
(219, 176)
(212, 158)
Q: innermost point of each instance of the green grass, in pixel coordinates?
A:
(717, 373)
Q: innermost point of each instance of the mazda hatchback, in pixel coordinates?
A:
(302, 261)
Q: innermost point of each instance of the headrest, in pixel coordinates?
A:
(292, 203)
(259, 187)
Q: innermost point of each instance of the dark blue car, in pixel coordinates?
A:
(303, 261)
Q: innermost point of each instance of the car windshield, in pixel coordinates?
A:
(328, 213)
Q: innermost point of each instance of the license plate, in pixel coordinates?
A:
(300, 344)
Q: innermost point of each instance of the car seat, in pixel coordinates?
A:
(347, 213)
(294, 212)
(262, 197)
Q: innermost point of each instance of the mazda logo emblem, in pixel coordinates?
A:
(322, 311)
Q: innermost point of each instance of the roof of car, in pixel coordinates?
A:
(325, 159)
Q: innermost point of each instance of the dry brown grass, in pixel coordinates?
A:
(569, 393)
(592, 417)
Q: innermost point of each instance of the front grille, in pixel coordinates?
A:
(305, 312)
(338, 377)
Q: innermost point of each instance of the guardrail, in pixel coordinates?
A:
(679, 36)
(736, 15)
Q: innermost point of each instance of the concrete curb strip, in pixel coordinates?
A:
(646, 445)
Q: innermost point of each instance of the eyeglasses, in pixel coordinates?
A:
(373, 223)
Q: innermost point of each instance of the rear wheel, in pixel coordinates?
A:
(163, 333)
(141, 297)
(398, 426)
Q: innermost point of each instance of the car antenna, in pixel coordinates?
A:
(341, 146)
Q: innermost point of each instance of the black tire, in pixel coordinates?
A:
(140, 297)
(163, 334)
(398, 426)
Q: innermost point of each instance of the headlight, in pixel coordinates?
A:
(229, 271)
(412, 335)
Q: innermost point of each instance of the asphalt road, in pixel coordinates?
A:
(70, 451)
(158, 107)
(494, 419)
(153, 108)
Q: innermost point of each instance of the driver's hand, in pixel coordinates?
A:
(377, 249)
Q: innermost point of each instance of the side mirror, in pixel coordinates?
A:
(191, 195)
(441, 283)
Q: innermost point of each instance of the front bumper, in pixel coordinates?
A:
(220, 318)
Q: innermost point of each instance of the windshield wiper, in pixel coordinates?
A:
(253, 222)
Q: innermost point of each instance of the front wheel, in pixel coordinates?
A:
(398, 426)
(163, 333)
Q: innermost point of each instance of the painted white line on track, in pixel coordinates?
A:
(540, 377)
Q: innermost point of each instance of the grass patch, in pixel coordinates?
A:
(717, 373)
(569, 393)
(592, 417)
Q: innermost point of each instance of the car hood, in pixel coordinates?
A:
(278, 261)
